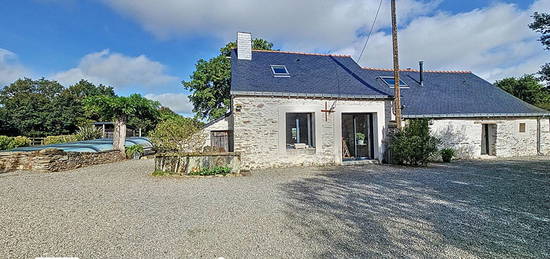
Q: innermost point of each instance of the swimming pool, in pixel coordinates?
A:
(96, 145)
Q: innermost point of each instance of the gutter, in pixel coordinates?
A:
(309, 95)
(477, 115)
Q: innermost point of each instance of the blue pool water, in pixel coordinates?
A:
(96, 145)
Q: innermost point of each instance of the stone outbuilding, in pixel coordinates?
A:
(301, 109)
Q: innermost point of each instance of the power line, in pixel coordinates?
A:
(370, 32)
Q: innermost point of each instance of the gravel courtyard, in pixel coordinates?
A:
(462, 209)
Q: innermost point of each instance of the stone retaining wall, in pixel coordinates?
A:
(54, 160)
(185, 163)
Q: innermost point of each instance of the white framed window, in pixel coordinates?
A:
(300, 130)
(279, 71)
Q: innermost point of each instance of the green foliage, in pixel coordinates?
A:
(88, 133)
(360, 136)
(4, 142)
(7, 143)
(121, 107)
(161, 173)
(541, 24)
(133, 151)
(177, 134)
(211, 82)
(43, 107)
(447, 154)
(527, 88)
(165, 113)
(223, 170)
(414, 145)
(60, 139)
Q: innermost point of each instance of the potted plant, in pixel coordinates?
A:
(360, 138)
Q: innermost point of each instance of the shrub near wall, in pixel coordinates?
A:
(60, 139)
(414, 145)
(7, 143)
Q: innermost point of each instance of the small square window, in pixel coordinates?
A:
(390, 81)
(522, 127)
(299, 130)
(279, 71)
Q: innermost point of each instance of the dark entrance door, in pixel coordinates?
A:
(357, 134)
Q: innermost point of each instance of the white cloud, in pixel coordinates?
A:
(10, 69)
(494, 42)
(116, 70)
(297, 24)
(175, 101)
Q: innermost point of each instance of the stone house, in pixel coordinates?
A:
(300, 109)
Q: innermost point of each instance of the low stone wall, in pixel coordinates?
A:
(185, 163)
(54, 160)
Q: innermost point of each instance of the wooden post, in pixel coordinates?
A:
(397, 90)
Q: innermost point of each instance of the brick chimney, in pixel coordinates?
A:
(244, 45)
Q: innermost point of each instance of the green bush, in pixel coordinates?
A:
(447, 154)
(178, 134)
(7, 143)
(19, 141)
(414, 145)
(60, 139)
(88, 133)
(223, 170)
(4, 142)
(133, 151)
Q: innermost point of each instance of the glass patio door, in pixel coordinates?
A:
(357, 129)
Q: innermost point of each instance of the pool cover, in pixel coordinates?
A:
(96, 145)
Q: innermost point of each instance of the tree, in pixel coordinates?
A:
(72, 100)
(211, 82)
(43, 107)
(32, 108)
(120, 109)
(541, 24)
(527, 88)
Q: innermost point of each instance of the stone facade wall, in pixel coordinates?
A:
(260, 130)
(465, 135)
(54, 160)
(185, 163)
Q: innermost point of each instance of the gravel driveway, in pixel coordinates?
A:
(466, 209)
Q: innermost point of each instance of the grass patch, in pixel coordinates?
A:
(161, 173)
(223, 170)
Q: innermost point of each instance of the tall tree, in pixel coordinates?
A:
(527, 88)
(120, 109)
(541, 24)
(211, 82)
(32, 108)
(72, 101)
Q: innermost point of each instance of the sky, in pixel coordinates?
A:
(151, 46)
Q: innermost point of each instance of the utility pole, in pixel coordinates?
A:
(397, 90)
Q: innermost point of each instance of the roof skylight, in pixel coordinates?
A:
(279, 71)
(390, 81)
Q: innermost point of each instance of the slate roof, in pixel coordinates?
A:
(444, 93)
(453, 94)
(310, 75)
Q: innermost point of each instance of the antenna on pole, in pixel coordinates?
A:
(397, 93)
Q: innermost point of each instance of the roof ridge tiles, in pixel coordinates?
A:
(302, 53)
(416, 70)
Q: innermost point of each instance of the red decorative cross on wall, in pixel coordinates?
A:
(327, 111)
